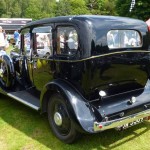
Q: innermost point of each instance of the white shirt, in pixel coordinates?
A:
(2, 40)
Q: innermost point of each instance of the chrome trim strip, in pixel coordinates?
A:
(120, 52)
(24, 102)
(93, 57)
(119, 122)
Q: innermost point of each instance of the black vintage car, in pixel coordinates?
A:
(88, 73)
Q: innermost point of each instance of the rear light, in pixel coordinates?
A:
(148, 24)
(100, 126)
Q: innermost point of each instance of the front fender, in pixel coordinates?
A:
(79, 109)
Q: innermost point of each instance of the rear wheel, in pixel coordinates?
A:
(59, 119)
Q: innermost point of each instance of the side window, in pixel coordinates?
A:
(26, 42)
(123, 39)
(67, 41)
(43, 41)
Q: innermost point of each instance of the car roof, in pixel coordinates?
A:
(94, 19)
(49, 20)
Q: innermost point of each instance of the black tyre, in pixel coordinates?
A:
(59, 120)
(6, 72)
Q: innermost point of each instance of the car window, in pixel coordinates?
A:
(25, 38)
(43, 41)
(123, 39)
(67, 40)
(27, 43)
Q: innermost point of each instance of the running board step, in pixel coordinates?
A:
(26, 98)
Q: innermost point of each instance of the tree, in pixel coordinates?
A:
(48, 6)
(23, 4)
(71, 7)
(108, 7)
(62, 8)
(101, 7)
(94, 6)
(78, 7)
(2, 7)
(34, 10)
(6, 4)
(17, 9)
(141, 9)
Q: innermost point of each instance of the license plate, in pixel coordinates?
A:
(125, 126)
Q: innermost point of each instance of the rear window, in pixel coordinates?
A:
(123, 39)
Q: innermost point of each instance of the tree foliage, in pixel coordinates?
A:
(102, 7)
(141, 9)
(2, 7)
(37, 9)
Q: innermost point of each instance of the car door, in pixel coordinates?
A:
(67, 49)
(24, 73)
(42, 55)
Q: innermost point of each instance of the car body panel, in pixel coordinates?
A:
(93, 68)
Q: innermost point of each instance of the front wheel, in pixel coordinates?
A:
(59, 119)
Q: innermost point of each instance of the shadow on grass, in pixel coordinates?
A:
(36, 127)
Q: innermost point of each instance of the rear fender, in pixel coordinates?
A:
(79, 110)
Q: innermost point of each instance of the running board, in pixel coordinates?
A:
(26, 98)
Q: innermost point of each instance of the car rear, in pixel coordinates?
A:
(118, 72)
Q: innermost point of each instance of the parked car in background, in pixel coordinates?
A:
(44, 45)
(88, 73)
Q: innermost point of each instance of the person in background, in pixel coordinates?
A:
(8, 37)
(2, 39)
(16, 37)
(4, 34)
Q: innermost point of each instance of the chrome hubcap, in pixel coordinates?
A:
(58, 119)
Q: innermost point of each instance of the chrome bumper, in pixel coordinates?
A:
(101, 126)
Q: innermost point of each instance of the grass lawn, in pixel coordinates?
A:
(22, 128)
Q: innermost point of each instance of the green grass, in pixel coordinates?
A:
(22, 128)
